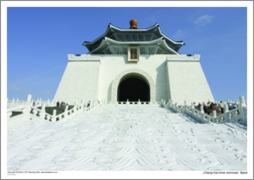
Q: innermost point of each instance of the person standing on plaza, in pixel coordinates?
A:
(221, 107)
(214, 108)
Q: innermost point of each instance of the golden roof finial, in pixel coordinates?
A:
(133, 24)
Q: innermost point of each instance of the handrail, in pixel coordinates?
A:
(31, 111)
(16, 108)
(67, 114)
(234, 115)
(133, 102)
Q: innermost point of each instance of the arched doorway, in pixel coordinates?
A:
(128, 73)
(133, 88)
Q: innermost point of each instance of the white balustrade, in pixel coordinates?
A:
(234, 115)
(228, 116)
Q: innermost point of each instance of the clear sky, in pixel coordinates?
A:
(39, 39)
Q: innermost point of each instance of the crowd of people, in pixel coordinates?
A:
(62, 104)
(207, 107)
(210, 106)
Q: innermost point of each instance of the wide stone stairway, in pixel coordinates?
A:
(128, 138)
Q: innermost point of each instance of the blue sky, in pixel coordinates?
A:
(39, 39)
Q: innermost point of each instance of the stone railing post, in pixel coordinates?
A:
(214, 114)
(139, 102)
(13, 101)
(243, 108)
(34, 111)
(25, 111)
(66, 111)
(242, 101)
(192, 108)
(185, 106)
(127, 102)
(230, 104)
(43, 106)
(226, 114)
(82, 106)
(74, 108)
(79, 109)
(202, 115)
(54, 116)
(47, 117)
(202, 108)
(225, 108)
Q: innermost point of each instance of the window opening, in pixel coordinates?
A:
(133, 53)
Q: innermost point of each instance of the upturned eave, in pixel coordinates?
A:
(108, 41)
(111, 29)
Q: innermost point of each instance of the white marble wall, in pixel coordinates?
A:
(112, 66)
(79, 81)
(187, 81)
(91, 76)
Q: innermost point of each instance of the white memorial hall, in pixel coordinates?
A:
(135, 65)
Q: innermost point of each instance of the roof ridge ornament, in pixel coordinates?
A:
(133, 24)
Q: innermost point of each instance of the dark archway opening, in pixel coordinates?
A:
(133, 89)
